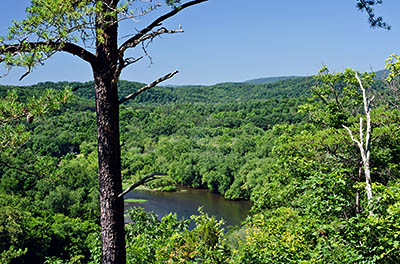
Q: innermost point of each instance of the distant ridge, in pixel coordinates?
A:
(220, 93)
(271, 79)
(382, 74)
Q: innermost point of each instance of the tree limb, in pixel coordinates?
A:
(147, 87)
(351, 134)
(58, 46)
(133, 41)
(146, 179)
(123, 63)
(150, 35)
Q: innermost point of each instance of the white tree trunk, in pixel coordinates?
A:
(364, 145)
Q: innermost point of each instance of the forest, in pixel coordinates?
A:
(285, 145)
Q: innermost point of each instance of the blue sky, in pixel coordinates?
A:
(237, 40)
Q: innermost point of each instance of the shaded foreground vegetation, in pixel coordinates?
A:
(245, 141)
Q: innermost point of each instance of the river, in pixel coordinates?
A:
(186, 201)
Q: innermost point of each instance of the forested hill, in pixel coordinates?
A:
(228, 92)
(245, 141)
(270, 79)
(219, 93)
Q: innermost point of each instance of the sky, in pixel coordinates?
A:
(237, 40)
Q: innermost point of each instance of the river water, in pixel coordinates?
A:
(186, 201)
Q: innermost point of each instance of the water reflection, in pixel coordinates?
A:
(186, 201)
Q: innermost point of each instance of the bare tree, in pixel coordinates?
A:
(364, 142)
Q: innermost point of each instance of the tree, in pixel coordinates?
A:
(337, 105)
(89, 29)
(364, 142)
(13, 132)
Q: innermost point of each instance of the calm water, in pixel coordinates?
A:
(186, 201)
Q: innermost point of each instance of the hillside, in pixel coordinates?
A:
(270, 79)
(218, 93)
(228, 92)
(244, 141)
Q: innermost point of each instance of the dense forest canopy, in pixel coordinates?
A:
(278, 144)
(317, 156)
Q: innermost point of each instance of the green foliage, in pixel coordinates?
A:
(285, 237)
(302, 177)
(169, 240)
(336, 97)
(12, 109)
(31, 196)
(172, 3)
(314, 185)
(8, 255)
(28, 238)
(393, 65)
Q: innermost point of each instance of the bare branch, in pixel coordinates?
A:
(141, 13)
(129, 61)
(133, 41)
(28, 71)
(80, 52)
(361, 134)
(147, 87)
(367, 110)
(351, 135)
(151, 36)
(123, 63)
(8, 69)
(365, 152)
(363, 93)
(370, 102)
(146, 179)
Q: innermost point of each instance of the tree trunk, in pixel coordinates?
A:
(109, 151)
(365, 150)
(110, 182)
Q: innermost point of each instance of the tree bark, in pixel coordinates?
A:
(109, 150)
(110, 181)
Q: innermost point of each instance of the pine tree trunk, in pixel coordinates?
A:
(109, 151)
(110, 182)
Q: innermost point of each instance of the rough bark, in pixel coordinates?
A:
(110, 182)
(109, 151)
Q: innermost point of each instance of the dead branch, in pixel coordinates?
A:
(150, 36)
(147, 87)
(146, 179)
(28, 71)
(133, 41)
(129, 61)
(123, 63)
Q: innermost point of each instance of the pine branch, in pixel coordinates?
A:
(71, 48)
